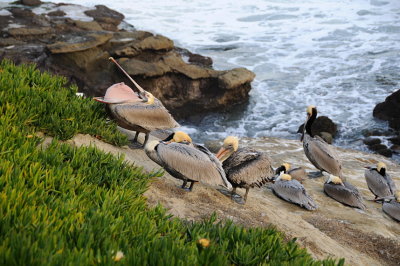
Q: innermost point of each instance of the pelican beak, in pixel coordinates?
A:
(221, 153)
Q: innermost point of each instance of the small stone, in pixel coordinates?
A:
(31, 2)
(395, 140)
(371, 141)
(235, 77)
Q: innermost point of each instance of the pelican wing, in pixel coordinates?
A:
(322, 155)
(392, 208)
(391, 183)
(248, 167)
(191, 163)
(378, 184)
(293, 191)
(148, 116)
(346, 194)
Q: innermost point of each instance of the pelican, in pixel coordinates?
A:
(319, 153)
(297, 173)
(379, 182)
(292, 191)
(392, 207)
(184, 161)
(244, 167)
(140, 112)
(343, 192)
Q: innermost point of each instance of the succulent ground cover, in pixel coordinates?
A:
(80, 206)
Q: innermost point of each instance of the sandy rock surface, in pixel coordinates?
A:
(361, 237)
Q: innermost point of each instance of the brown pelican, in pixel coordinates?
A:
(140, 112)
(297, 173)
(292, 191)
(244, 167)
(343, 192)
(379, 182)
(319, 153)
(183, 161)
(392, 206)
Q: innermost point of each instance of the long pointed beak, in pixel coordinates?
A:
(221, 153)
(138, 88)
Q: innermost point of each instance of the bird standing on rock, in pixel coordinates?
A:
(392, 206)
(344, 192)
(379, 182)
(292, 191)
(244, 167)
(319, 153)
(140, 112)
(187, 163)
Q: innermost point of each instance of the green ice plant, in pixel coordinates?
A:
(63, 205)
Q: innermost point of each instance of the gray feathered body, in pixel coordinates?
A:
(346, 194)
(247, 168)
(380, 185)
(142, 117)
(392, 208)
(294, 192)
(185, 162)
(322, 155)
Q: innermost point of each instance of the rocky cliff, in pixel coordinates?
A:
(76, 41)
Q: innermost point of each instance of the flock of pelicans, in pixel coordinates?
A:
(233, 167)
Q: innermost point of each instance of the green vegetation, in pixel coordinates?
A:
(79, 206)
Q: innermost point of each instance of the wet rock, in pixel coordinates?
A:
(321, 124)
(25, 53)
(395, 148)
(377, 147)
(371, 141)
(196, 59)
(88, 25)
(79, 41)
(31, 2)
(385, 152)
(327, 137)
(57, 13)
(176, 63)
(395, 140)
(155, 43)
(376, 132)
(389, 110)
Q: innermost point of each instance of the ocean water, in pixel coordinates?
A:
(340, 55)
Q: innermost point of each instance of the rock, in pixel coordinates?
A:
(235, 77)
(109, 19)
(321, 124)
(57, 13)
(88, 25)
(26, 31)
(371, 141)
(377, 147)
(389, 110)
(136, 67)
(385, 152)
(25, 53)
(31, 2)
(176, 63)
(196, 59)
(79, 41)
(395, 148)
(395, 140)
(155, 43)
(327, 137)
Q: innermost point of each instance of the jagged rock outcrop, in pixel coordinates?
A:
(389, 110)
(79, 49)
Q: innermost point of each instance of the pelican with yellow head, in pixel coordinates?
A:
(244, 167)
(379, 181)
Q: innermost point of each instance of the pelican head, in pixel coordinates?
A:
(310, 110)
(335, 180)
(147, 97)
(178, 136)
(285, 177)
(283, 168)
(381, 168)
(231, 144)
(397, 196)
